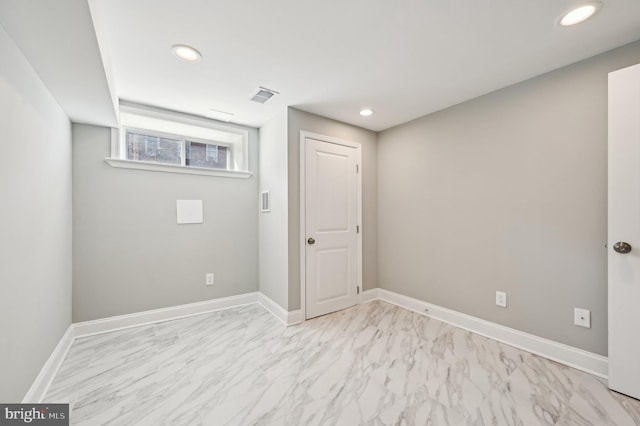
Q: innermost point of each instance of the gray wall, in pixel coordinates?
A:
(299, 120)
(35, 223)
(129, 255)
(506, 192)
(273, 226)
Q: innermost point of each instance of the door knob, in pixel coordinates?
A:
(622, 247)
(311, 241)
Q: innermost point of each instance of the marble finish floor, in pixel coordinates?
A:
(373, 364)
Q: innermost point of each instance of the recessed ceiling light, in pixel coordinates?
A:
(579, 14)
(186, 53)
(366, 112)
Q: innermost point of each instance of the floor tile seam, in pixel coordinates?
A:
(462, 412)
(508, 388)
(64, 375)
(566, 411)
(155, 324)
(71, 401)
(578, 394)
(422, 388)
(471, 357)
(467, 411)
(468, 417)
(54, 386)
(569, 406)
(521, 395)
(519, 366)
(447, 328)
(510, 375)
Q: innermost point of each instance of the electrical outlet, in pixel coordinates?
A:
(501, 299)
(209, 279)
(582, 317)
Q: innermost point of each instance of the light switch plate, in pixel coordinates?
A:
(189, 211)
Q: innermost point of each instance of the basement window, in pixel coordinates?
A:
(164, 141)
(143, 145)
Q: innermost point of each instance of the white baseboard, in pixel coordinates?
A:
(294, 317)
(50, 368)
(103, 325)
(369, 295)
(573, 357)
(568, 355)
(287, 318)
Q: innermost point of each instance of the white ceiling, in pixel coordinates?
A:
(403, 59)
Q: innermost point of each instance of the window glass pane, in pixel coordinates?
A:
(206, 155)
(153, 148)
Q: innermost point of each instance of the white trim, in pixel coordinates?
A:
(241, 145)
(171, 168)
(50, 368)
(120, 322)
(303, 230)
(181, 126)
(330, 139)
(41, 384)
(287, 318)
(116, 148)
(370, 295)
(568, 355)
(359, 224)
(303, 214)
(573, 357)
(294, 317)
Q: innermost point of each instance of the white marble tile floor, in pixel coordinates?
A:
(373, 364)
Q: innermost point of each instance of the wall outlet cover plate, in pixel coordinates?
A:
(209, 279)
(582, 317)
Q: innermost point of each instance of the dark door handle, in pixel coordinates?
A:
(622, 247)
(311, 241)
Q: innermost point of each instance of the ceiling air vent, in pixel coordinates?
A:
(262, 95)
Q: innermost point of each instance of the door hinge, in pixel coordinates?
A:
(357, 229)
(358, 289)
(357, 168)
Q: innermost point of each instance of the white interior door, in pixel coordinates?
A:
(331, 226)
(624, 228)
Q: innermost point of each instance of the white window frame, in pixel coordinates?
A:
(233, 138)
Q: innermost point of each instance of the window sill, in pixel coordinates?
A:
(170, 168)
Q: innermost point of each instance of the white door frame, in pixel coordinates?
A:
(303, 212)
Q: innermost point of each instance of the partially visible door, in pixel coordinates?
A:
(624, 231)
(331, 224)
